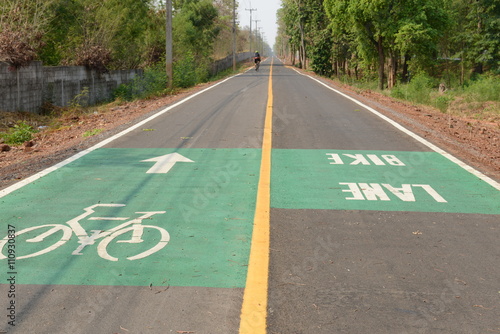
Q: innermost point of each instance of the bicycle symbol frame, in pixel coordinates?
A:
(107, 236)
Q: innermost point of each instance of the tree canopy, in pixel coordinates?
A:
(390, 38)
(111, 34)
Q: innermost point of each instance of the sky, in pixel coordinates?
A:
(266, 13)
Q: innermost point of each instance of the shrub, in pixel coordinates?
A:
(185, 72)
(418, 90)
(81, 99)
(486, 88)
(152, 82)
(20, 133)
(442, 102)
(94, 57)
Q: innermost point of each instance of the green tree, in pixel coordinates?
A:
(420, 27)
(223, 44)
(97, 34)
(194, 34)
(58, 38)
(319, 38)
(475, 38)
(293, 28)
(127, 45)
(390, 29)
(153, 37)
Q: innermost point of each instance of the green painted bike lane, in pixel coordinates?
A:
(377, 180)
(198, 215)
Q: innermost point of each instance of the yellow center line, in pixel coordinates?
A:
(254, 308)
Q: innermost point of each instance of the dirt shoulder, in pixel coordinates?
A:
(475, 142)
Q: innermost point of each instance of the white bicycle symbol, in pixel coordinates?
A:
(107, 236)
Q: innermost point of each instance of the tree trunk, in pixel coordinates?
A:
(381, 64)
(393, 69)
(405, 77)
(478, 68)
(302, 46)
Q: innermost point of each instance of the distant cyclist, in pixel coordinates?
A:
(256, 59)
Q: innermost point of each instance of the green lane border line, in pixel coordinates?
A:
(398, 126)
(77, 156)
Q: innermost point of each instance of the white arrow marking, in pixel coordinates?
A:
(165, 162)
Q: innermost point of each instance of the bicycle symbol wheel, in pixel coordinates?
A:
(67, 232)
(103, 245)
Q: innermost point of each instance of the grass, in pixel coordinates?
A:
(93, 132)
(478, 99)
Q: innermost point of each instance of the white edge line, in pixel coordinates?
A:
(435, 148)
(77, 156)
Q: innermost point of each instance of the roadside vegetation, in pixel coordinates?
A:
(17, 128)
(443, 53)
(120, 34)
(20, 133)
(113, 35)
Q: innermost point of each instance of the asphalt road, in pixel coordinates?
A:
(369, 229)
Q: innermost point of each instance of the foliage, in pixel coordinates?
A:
(20, 133)
(185, 72)
(486, 88)
(154, 38)
(81, 99)
(392, 38)
(99, 34)
(194, 36)
(422, 89)
(390, 30)
(418, 90)
(23, 23)
(223, 45)
(195, 31)
(152, 82)
(96, 57)
(475, 34)
(117, 34)
(321, 54)
(91, 133)
(442, 102)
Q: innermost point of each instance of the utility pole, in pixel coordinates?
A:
(256, 34)
(250, 36)
(262, 34)
(168, 55)
(234, 35)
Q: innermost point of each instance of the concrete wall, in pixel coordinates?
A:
(224, 64)
(28, 88)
